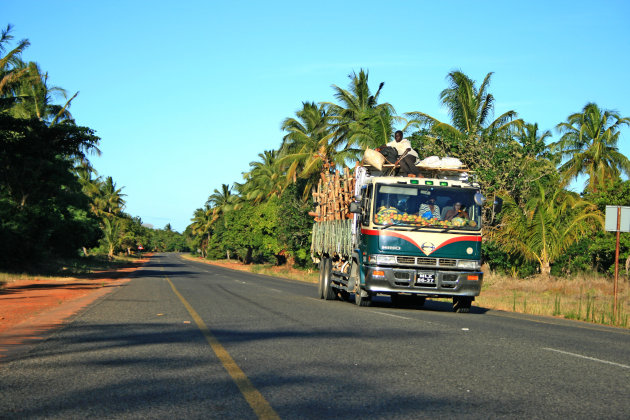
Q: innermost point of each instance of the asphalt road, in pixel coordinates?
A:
(189, 340)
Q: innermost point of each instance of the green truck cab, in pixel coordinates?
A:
(409, 238)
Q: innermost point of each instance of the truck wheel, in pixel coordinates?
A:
(327, 290)
(462, 304)
(320, 285)
(345, 296)
(362, 298)
(419, 300)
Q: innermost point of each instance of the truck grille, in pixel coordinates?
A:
(425, 261)
(447, 262)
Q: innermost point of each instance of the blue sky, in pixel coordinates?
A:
(185, 94)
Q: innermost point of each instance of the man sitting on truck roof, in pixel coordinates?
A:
(407, 157)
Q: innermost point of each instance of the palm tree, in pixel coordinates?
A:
(306, 135)
(266, 178)
(590, 140)
(310, 144)
(533, 142)
(35, 97)
(112, 230)
(109, 203)
(220, 202)
(531, 161)
(10, 74)
(90, 186)
(548, 224)
(201, 227)
(471, 110)
(358, 119)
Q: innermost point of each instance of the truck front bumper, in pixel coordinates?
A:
(422, 281)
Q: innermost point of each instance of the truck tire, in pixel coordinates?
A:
(419, 300)
(362, 298)
(320, 286)
(328, 292)
(345, 295)
(462, 304)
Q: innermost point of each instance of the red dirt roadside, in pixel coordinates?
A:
(31, 308)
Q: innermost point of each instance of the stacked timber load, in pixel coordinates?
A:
(332, 231)
(333, 195)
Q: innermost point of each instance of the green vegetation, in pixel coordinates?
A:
(55, 207)
(544, 228)
(52, 207)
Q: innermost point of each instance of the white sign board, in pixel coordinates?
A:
(611, 219)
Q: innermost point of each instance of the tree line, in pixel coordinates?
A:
(52, 202)
(544, 227)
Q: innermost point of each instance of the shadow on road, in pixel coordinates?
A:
(183, 378)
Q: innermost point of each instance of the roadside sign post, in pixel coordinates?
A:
(617, 220)
(616, 263)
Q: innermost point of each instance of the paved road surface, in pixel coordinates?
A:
(189, 340)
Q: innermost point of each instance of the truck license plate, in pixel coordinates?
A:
(425, 278)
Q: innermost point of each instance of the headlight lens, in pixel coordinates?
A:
(382, 259)
(468, 264)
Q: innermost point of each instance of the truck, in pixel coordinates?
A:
(410, 238)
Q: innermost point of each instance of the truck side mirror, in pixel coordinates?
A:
(480, 200)
(355, 207)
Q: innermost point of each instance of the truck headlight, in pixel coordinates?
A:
(382, 259)
(468, 264)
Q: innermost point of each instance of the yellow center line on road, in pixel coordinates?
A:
(254, 398)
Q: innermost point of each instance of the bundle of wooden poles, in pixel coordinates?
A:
(333, 195)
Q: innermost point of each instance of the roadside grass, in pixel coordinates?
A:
(309, 276)
(63, 269)
(582, 297)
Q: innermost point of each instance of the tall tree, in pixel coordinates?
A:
(480, 142)
(310, 143)
(112, 230)
(547, 225)
(201, 228)
(110, 201)
(589, 141)
(35, 98)
(529, 161)
(470, 109)
(358, 120)
(265, 179)
(221, 201)
(10, 73)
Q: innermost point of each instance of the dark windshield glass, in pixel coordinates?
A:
(414, 205)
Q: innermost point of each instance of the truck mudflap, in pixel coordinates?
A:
(427, 282)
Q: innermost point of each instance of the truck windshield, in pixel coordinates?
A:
(426, 206)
